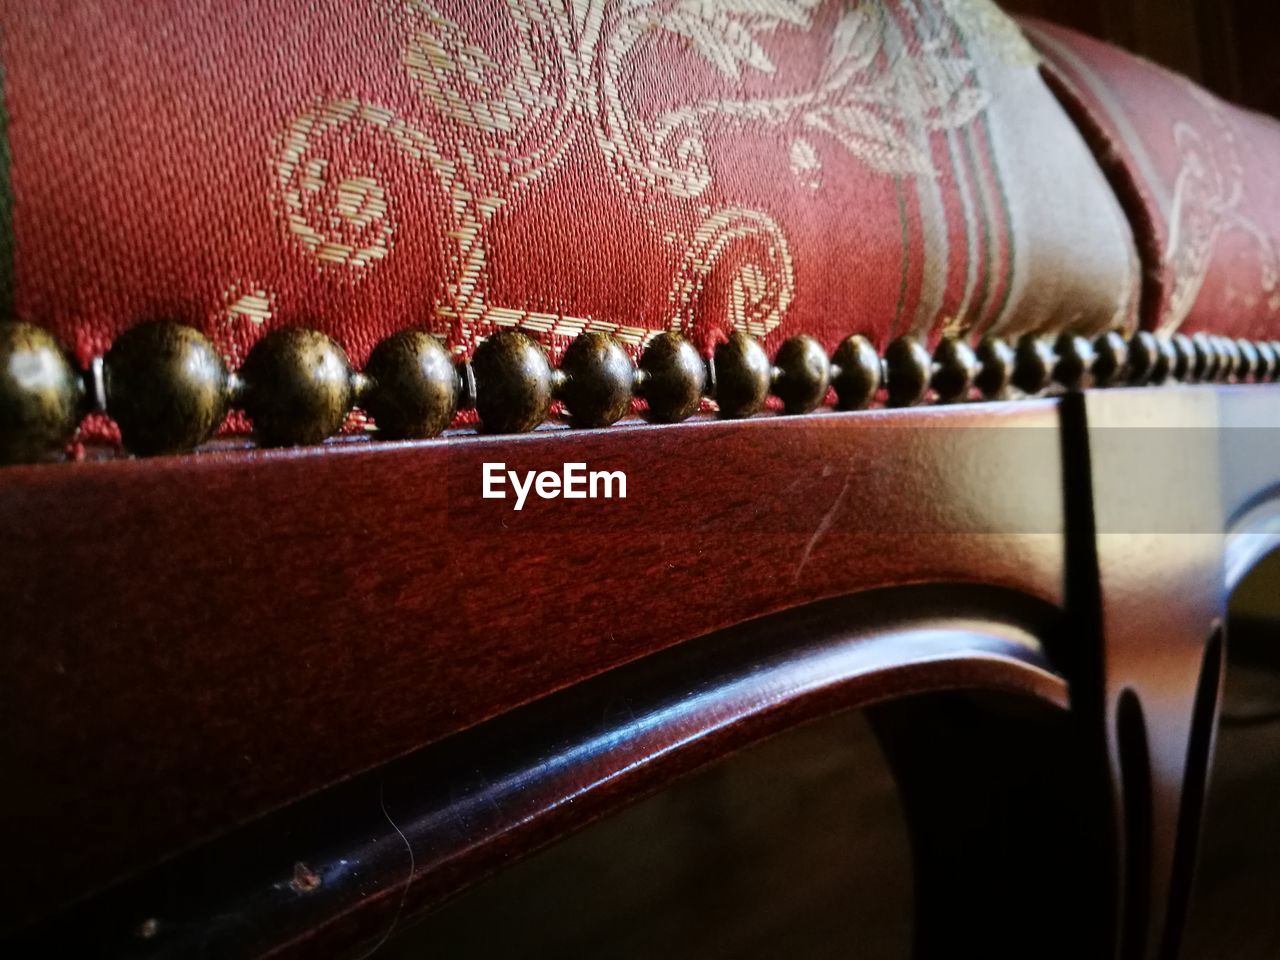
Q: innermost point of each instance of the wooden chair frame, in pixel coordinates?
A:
(224, 665)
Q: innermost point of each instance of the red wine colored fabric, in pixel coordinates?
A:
(1197, 175)
(778, 166)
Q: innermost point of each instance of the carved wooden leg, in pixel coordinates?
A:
(1146, 583)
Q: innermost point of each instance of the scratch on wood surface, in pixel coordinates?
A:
(824, 524)
(408, 880)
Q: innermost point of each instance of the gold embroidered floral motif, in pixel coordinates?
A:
(762, 281)
(888, 78)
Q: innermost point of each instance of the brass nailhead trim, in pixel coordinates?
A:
(169, 390)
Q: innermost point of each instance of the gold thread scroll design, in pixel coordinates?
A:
(867, 100)
(342, 219)
(353, 226)
(876, 90)
(527, 111)
(760, 287)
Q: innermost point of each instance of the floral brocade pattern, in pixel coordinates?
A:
(626, 166)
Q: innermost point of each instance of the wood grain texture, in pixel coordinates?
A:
(350, 865)
(192, 642)
(1168, 474)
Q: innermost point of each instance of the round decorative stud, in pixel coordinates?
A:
(1185, 357)
(1033, 364)
(1075, 361)
(514, 382)
(1166, 358)
(1205, 368)
(743, 376)
(857, 374)
(1110, 354)
(997, 359)
(1213, 356)
(910, 369)
(1267, 360)
(1237, 359)
(297, 387)
(1229, 358)
(804, 374)
(40, 394)
(1144, 354)
(955, 367)
(166, 388)
(673, 378)
(598, 378)
(414, 388)
(1248, 368)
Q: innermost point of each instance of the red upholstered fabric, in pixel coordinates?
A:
(360, 167)
(1199, 177)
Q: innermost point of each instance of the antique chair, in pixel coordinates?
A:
(622, 477)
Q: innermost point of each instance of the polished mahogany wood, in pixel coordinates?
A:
(1167, 475)
(351, 866)
(245, 628)
(192, 642)
(1145, 598)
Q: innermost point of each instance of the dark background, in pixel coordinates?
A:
(1228, 46)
